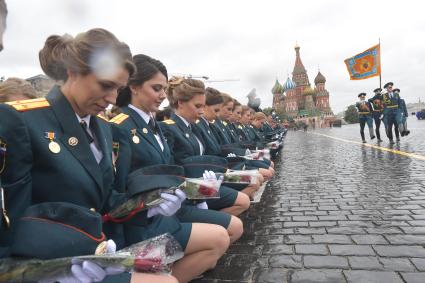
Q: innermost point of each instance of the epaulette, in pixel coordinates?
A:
(102, 117)
(119, 119)
(197, 121)
(169, 122)
(225, 123)
(240, 127)
(29, 104)
(213, 121)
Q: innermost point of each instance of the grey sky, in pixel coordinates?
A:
(248, 40)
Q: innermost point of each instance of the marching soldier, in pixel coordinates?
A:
(404, 114)
(365, 116)
(378, 108)
(392, 112)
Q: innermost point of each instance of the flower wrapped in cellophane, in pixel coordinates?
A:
(199, 189)
(241, 176)
(154, 255)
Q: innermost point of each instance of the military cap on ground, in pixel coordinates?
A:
(388, 84)
(361, 94)
(377, 90)
(57, 229)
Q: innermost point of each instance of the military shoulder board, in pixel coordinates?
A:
(169, 122)
(29, 104)
(225, 123)
(102, 117)
(197, 121)
(119, 118)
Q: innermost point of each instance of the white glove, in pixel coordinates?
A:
(170, 206)
(202, 205)
(87, 271)
(231, 155)
(247, 152)
(210, 176)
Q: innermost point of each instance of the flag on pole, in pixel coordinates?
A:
(365, 65)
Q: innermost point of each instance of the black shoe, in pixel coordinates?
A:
(407, 132)
(379, 140)
(372, 137)
(392, 142)
(364, 141)
(397, 139)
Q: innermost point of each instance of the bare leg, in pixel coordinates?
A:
(241, 204)
(143, 278)
(207, 243)
(251, 189)
(235, 229)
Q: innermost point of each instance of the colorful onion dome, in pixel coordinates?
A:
(320, 79)
(308, 91)
(277, 88)
(289, 84)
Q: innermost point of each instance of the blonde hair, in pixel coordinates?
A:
(61, 54)
(16, 86)
(245, 109)
(259, 116)
(182, 89)
(226, 98)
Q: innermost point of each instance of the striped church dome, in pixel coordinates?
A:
(289, 84)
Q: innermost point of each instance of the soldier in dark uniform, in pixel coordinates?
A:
(402, 127)
(392, 111)
(378, 108)
(60, 151)
(365, 109)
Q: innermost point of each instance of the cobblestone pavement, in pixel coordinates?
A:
(335, 212)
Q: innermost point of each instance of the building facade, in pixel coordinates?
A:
(299, 100)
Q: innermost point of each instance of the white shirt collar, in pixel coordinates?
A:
(145, 116)
(85, 119)
(184, 120)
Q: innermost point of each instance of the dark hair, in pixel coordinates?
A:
(181, 89)
(147, 68)
(164, 114)
(63, 53)
(213, 96)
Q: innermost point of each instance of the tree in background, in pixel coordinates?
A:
(350, 115)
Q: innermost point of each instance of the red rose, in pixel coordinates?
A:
(206, 191)
(147, 265)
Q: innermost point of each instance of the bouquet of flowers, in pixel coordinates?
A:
(241, 176)
(198, 188)
(154, 255)
(195, 189)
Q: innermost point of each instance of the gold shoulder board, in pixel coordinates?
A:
(119, 119)
(169, 122)
(225, 123)
(29, 104)
(102, 117)
(240, 127)
(197, 121)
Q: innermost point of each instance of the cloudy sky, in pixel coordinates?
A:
(251, 42)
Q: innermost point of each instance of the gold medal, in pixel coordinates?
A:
(54, 147)
(136, 139)
(187, 135)
(145, 131)
(101, 248)
(72, 141)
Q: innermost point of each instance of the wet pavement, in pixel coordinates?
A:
(336, 211)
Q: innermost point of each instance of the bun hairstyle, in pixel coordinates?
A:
(16, 86)
(213, 96)
(147, 68)
(181, 89)
(61, 54)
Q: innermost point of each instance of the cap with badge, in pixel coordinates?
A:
(57, 229)
(377, 90)
(389, 84)
(396, 90)
(361, 94)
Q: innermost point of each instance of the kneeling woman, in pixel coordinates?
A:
(187, 98)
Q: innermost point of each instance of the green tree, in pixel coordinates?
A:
(350, 115)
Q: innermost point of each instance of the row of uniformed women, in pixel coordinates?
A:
(59, 142)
